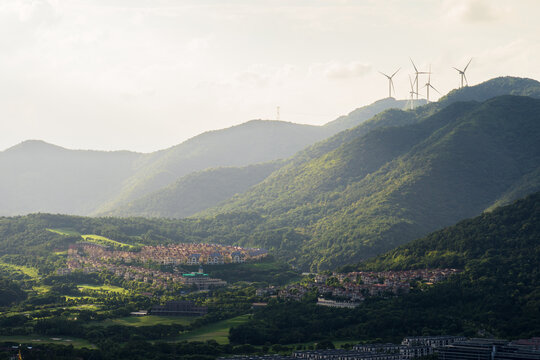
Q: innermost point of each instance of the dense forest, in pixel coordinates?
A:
(497, 293)
(398, 183)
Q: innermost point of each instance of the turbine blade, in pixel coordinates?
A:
(466, 82)
(414, 66)
(467, 65)
(431, 86)
(395, 73)
(456, 69)
(392, 83)
(384, 74)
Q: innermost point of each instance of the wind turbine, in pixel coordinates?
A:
(411, 93)
(416, 77)
(462, 73)
(390, 82)
(428, 85)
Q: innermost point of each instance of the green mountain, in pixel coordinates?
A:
(170, 202)
(43, 177)
(395, 184)
(253, 142)
(496, 293)
(197, 191)
(37, 176)
(358, 116)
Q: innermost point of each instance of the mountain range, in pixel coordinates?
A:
(42, 177)
(314, 195)
(352, 197)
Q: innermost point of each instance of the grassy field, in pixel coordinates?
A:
(42, 339)
(149, 320)
(65, 232)
(29, 271)
(41, 289)
(102, 240)
(103, 288)
(218, 331)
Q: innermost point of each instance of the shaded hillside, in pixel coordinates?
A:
(48, 178)
(394, 184)
(504, 235)
(497, 292)
(41, 177)
(197, 191)
(356, 117)
(253, 142)
(249, 143)
(37, 176)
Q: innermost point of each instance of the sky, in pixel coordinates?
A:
(144, 75)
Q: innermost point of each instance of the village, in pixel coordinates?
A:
(348, 289)
(90, 257)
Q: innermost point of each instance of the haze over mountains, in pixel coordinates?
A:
(337, 197)
(398, 183)
(42, 177)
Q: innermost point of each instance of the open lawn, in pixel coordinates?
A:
(46, 339)
(218, 331)
(149, 320)
(102, 240)
(103, 288)
(41, 289)
(65, 232)
(29, 271)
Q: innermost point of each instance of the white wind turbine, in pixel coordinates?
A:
(428, 85)
(390, 82)
(462, 73)
(416, 72)
(412, 93)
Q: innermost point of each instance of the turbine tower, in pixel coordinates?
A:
(390, 82)
(411, 93)
(462, 73)
(416, 76)
(428, 85)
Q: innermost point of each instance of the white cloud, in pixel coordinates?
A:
(473, 11)
(341, 70)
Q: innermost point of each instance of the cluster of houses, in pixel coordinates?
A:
(85, 257)
(356, 286)
(446, 348)
(174, 254)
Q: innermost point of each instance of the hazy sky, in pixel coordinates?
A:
(144, 75)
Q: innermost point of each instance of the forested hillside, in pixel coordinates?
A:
(47, 178)
(394, 184)
(497, 294)
(197, 191)
(37, 176)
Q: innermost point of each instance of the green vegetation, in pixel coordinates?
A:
(393, 184)
(268, 271)
(102, 240)
(102, 288)
(197, 191)
(497, 292)
(26, 270)
(66, 232)
(39, 339)
(10, 292)
(218, 331)
(363, 191)
(149, 320)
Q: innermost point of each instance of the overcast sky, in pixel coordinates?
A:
(145, 75)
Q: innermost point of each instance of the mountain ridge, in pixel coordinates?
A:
(440, 167)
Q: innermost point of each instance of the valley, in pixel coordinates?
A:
(382, 225)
